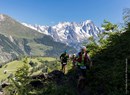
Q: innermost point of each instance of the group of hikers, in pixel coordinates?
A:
(81, 62)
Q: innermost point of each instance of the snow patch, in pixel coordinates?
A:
(11, 38)
(2, 18)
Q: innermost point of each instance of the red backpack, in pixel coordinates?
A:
(79, 59)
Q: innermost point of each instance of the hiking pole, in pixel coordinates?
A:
(126, 84)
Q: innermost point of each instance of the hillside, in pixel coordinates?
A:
(108, 74)
(12, 67)
(18, 40)
(106, 77)
(10, 27)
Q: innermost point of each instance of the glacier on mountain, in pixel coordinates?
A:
(70, 33)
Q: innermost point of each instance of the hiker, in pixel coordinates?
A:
(74, 60)
(64, 58)
(31, 63)
(46, 69)
(0, 65)
(83, 63)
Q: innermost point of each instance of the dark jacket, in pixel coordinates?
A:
(64, 57)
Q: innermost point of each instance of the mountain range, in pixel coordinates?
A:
(21, 39)
(18, 40)
(70, 33)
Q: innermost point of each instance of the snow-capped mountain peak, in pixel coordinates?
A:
(2, 18)
(71, 33)
(87, 22)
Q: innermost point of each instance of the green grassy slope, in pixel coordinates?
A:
(13, 66)
(10, 27)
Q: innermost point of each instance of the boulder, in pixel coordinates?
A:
(56, 76)
(36, 83)
(5, 84)
(40, 76)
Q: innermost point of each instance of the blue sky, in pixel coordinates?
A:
(50, 12)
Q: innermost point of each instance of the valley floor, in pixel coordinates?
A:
(11, 67)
